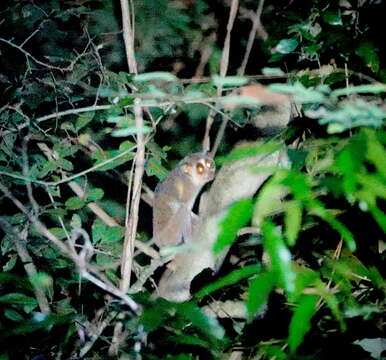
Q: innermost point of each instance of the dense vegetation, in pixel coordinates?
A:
(305, 277)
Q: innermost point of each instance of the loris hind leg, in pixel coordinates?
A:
(177, 230)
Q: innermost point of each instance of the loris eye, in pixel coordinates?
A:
(200, 168)
(209, 163)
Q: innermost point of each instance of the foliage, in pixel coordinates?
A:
(309, 278)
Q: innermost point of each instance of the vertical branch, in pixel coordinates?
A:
(132, 219)
(134, 189)
(256, 27)
(131, 223)
(223, 71)
(128, 36)
(227, 42)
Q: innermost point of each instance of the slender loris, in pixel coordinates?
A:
(174, 198)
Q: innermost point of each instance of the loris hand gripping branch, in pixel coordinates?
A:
(174, 198)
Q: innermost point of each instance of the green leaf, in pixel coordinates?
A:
(58, 232)
(18, 299)
(95, 194)
(10, 264)
(154, 168)
(272, 71)
(301, 321)
(120, 157)
(361, 89)
(376, 152)
(258, 291)
(13, 315)
(98, 230)
(238, 215)
(292, 220)
(74, 203)
(63, 307)
(65, 164)
(154, 317)
(332, 18)
(83, 120)
(41, 280)
(318, 209)
(112, 234)
(121, 119)
(286, 46)
(234, 277)
(249, 150)
(224, 81)
(206, 325)
(76, 221)
(280, 257)
(353, 114)
(269, 200)
(369, 54)
(47, 168)
(133, 130)
(156, 75)
(302, 94)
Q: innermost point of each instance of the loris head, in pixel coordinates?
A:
(199, 167)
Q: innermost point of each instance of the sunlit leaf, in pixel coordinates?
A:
(374, 346)
(251, 149)
(200, 321)
(365, 89)
(280, 257)
(129, 131)
(292, 220)
(332, 18)
(269, 199)
(301, 93)
(258, 292)
(301, 321)
(272, 71)
(229, 80)
(156, 75)
(238, 215)
(286, 46)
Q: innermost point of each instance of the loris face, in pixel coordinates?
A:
(199, 167)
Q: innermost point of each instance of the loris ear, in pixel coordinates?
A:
(186, 168)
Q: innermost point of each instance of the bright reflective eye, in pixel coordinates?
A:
(209, 163)
(200, 168)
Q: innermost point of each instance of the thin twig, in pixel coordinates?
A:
(95, 334)
(256, 27)
(29, 265)
(84, 268)
(223, 71)
(82, 173)
(29, 56)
